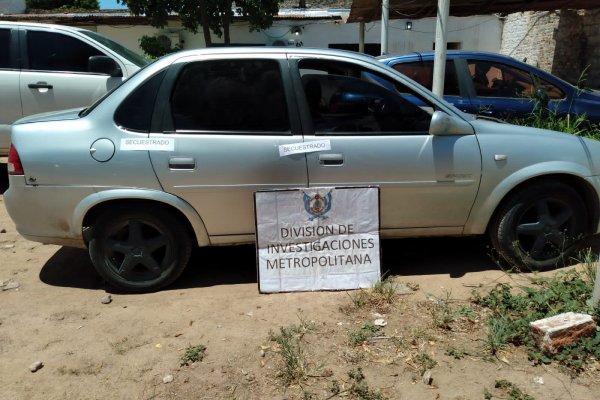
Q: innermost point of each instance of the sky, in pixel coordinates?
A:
(110, 5)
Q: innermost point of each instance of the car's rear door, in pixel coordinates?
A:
(55, 73)
(227, 118)
(379, 137)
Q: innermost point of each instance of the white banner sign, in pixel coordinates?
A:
(148, 144)
(317, 239)
(304, 147)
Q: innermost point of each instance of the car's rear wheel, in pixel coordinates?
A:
(139, 250)
(536, 227)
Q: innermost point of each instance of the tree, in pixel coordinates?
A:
(62, 4)
(211, 15)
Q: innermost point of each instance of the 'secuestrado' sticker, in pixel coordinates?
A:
(148, 144)
(304, 147)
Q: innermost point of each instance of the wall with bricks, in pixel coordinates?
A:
(562, 42)
(591, 30)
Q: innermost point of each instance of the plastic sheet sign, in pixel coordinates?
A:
(317, 239)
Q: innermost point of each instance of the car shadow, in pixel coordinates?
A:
(3, 177)
(228, 265)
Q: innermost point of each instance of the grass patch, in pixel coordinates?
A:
(383, 294)
(506, 390)
(363, 334)
(514, 308)
(289, 344)
(193, 354)
(358, 389)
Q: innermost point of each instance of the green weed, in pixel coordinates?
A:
(513, 310)
(193, 354)
(363, 334)
(508, 390)
(295, 366)
(359, 389)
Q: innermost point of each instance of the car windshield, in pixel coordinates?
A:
(117, 48)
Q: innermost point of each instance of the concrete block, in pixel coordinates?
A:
(553, 334)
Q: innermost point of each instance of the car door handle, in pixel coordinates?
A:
(39, 85)
(331, 159)
(182, 163)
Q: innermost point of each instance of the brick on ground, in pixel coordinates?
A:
(552, 334)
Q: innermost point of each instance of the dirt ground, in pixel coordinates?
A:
(128, 348)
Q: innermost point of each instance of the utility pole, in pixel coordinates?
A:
(441, 40)
(385, 22)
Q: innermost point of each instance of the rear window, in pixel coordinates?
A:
(135, 112)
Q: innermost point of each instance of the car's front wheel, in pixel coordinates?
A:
(139, 249)
(536, 227)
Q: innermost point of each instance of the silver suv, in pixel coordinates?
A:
(52, 67)
(171, 159)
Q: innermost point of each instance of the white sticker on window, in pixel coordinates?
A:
(304, 147)
(148, 144)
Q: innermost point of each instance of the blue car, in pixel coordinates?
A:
(498, 86)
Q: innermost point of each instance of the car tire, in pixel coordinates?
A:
(535, 228)
(139, 250)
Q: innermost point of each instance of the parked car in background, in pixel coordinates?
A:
(51, 67)
(172, 157)
(498, 86)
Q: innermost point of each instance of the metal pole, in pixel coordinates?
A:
(361, 37)
(385, 22)
(441, 40)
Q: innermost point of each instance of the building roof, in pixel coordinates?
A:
(124, 17)
(370, 10)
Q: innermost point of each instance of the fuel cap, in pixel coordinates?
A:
(102, 150)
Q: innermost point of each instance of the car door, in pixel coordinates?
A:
(55, 75)
(378, 136)
(500, 90)
(10, 99)
(227, 118)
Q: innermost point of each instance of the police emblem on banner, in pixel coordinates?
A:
(317, 206)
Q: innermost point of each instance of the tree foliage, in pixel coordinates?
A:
(211, 15)
(62, 4)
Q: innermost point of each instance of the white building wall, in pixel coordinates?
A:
(12, 6)
(481, 33)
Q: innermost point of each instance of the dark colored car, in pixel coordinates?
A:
(498, 86)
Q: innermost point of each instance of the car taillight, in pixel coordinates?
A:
(14, 162)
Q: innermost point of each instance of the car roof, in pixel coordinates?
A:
(449, 54)
(275, 50)
(41, 25)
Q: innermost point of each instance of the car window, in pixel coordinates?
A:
(343, 98)
(492, 79)
(230, 96)
(553, 91)
(135, 112)
(422, 72)
(4, 48)
(118, 48)
(50, 51)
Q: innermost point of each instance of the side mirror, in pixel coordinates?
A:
(443, 124)
(104, 65)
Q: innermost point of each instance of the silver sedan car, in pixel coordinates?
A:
(172, 157)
